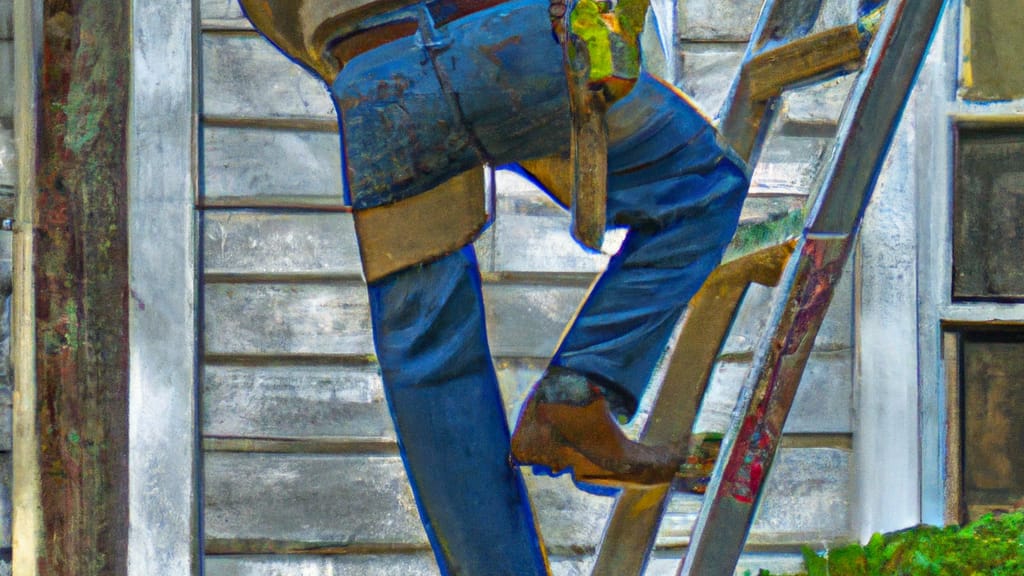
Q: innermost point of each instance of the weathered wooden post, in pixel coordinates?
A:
(72, 458)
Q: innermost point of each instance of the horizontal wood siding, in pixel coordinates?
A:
(253, 164)
(214, 12)
(422, 564)
(287, 503)
(294, 401)
(263, 242)
(333, 318)
(244, 76)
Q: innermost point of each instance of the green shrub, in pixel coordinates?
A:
(990, 546)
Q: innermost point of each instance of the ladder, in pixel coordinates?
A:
(779, 56)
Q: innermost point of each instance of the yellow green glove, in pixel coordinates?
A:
(611, 36)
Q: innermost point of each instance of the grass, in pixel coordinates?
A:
(990, 546)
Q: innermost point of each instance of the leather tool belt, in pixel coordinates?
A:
(324, 35)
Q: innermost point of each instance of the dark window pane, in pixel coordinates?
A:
(993, 421)
(988, 215)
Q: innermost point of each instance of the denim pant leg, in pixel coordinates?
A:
(401, 138)
(680, 191)
(428, 325)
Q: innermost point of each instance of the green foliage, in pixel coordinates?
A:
(752, 237)
(990, 546)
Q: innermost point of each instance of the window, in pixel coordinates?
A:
(988, 213)
(987, 392)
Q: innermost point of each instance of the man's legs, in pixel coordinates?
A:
(680, 193)
(428, 324)
(403, 136)
(669, 182)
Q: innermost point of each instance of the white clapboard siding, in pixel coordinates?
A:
(244, 76)
(836, 332)
(215, 11)
(806, 501)
(532, 232)
(530, 236)
(835, 13)
(330, 401)
(282, 318)
(419, 563)
(353, 500)
(295, 401)
(422, 564)
(300, 401)
(267, 163)
(822, 404)
(526, 242)
(750, 564)
(410, 564)
(717, 20)
(789, 164)
(818, 104)
(287, 243)
(707, 71)
(360, 501)
(363, 502)
(333, 318)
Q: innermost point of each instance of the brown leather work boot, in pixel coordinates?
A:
(579, 434)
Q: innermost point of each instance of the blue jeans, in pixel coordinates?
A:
(671, 182)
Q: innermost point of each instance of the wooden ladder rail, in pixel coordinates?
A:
(631, 530)
(866, 130)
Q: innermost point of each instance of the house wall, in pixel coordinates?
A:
(300, 462)
(299, 455)
(300, 465)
